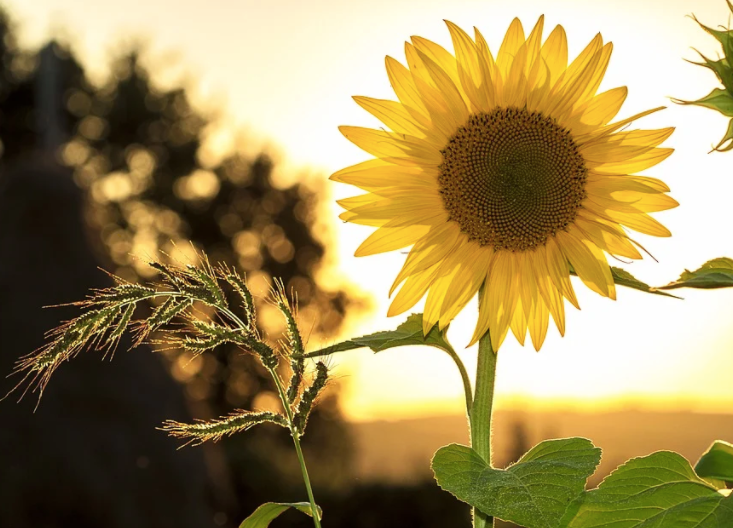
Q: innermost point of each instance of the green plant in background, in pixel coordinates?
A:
(193, 312)
(720, 99)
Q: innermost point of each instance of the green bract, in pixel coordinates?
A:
(719, 99)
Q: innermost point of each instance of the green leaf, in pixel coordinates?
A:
(717, 462)
(721, 68)
(534, 492)
(728, 138)
(624, 278)
(718, 99)
(716, 273)
(408, 333)
(725, 37)
(265, 514)
(657, 491)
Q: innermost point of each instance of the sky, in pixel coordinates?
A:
(281, 73)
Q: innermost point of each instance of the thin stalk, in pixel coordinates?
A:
(480, 415)
(291, 424)
(296, 440)
(465, 379)
(306, 479)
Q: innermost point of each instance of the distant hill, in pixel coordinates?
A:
(400, 451)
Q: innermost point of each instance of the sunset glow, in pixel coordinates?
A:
(641, 350)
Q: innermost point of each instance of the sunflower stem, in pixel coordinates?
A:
(480, 413)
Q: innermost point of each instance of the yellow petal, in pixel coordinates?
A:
(418, 207)
(599, 72)
(646, 202)
(556, 306)
(593, 271)
(515, 85)
(558, 270)
(412, 290)
(469, 69)
(555, 53)
(482, 325)
(401, 149)
(491, 82)
(566, 94)
(649, 138)
(451, 95)
(370, 175)
(430, 95)
(513, 40)
(392, 114)
(608, 241)
(401, 80)
(503, 294)
(437, 54)
(641, 222)
(390, 238)
(538, 324)
(618, 125)
(519, 323)
(597, 112)
(433, 248)
(475, 263)
(436, 294)
(581, 63)
(534, 44)
(610, 184)
(636, 164)
(601, 153)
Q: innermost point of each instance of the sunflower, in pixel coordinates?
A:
(504, 175)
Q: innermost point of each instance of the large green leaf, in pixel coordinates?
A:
(408, 333)
(716, 273)
(717, 462)
(534, 492)
(265, 514)
(657, 491)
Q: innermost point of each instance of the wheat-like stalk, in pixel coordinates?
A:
(110, 312)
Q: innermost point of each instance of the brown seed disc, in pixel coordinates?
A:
(511, 178)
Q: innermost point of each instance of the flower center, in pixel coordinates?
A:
(511, 178)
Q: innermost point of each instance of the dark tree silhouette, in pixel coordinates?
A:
(134, 150)
(89, 456)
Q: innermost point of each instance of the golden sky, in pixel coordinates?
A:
(285, 70)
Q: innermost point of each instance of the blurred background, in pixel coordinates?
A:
(127, 129)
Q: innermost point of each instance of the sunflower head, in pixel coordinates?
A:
(503, 174)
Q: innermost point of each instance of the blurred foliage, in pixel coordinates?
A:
(135, 149)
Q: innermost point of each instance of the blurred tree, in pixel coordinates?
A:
(89, 456)
(135, 149)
